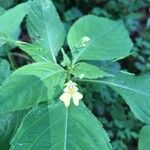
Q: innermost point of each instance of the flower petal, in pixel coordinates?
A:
(76, 97)
(75, 88)
(65, 97)
(70, 83)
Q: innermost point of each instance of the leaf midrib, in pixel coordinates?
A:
(48, 33)
(128, 88)
(65, 133)
(117, 85)
(66, 130)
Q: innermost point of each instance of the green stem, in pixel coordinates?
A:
(69, 73)
(68, 77)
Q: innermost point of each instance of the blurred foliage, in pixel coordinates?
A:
(108, 106)
(119, 122)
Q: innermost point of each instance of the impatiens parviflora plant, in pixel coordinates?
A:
(62, 121)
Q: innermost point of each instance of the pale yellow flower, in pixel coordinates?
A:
(71, 91)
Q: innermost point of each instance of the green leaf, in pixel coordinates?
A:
(88, 71)
(12, 29)
(66, 59)
(135, 90)
(4, 47)
(9, 125)
(9, 27)
(30, 85)
(4, 70)
(144, 140)
(45, 27)
(34, 51)
(12, 18)
(59, 128)
(104, 40)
